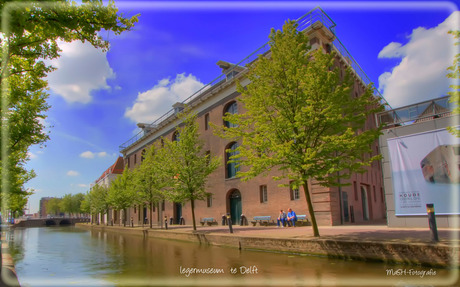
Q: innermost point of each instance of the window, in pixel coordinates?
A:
(135, 158)
(127, 161)
(143, 155)
(206, 122)
(263, 194)
(163, 205)
(232, 167)
(162, 142)
(209, 200)
(176, 136)
(231, 108)
(294, 191)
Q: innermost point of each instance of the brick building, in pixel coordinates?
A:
(360, 202)
(105, 180)
(42, 211)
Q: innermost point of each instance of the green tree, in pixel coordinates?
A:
(122, 194)
(77, 199)
(149, 180)
(301, 117)
(98, 200)
(29, 34)
(185, 162)
(455, 93)
(53, 206)
(85, 206)
(66, 204)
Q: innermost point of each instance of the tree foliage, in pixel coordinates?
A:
(71, 203)
(301, 117)
(149, 179)
(185, 163)
(29, 36)
(95, 201)
(122, 193)
(53, 206)
(455, 93)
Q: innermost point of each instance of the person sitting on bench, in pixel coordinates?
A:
(291, 217)
(281, 218)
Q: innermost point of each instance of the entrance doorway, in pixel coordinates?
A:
(235, 206)
(144, 214)
(177, 212)
(365, 203)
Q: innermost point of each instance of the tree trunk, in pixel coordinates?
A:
(192, 202)
(151, 214)
(314, 225)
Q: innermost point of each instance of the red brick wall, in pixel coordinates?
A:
(326, 201)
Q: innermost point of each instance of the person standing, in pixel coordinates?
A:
(291, 217)
(282, 218)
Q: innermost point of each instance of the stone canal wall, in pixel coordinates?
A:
(8, 273)
(427, 254)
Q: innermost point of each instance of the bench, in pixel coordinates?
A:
(209, 220)
(302, 220)
(265, 220)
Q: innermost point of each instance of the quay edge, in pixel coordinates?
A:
(8, 272)
(422, 254)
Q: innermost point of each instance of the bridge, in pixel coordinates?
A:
(43, 222)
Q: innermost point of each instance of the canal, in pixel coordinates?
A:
(69, 256)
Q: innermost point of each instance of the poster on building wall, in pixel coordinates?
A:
(425, 169)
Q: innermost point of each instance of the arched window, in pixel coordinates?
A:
(231, 108)
(232, 167)
(176, 136)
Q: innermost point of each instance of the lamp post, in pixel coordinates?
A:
(229, 221)
(432, 222)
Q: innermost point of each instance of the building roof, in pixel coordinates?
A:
(314, 20)
(116, 168)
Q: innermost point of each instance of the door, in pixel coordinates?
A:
(346, 216)
(177, 213)
(144, 215)
(235, 206)
(365, 203)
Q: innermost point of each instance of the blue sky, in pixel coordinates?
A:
(97, 98)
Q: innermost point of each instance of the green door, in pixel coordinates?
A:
(178, 213)
(235, 206)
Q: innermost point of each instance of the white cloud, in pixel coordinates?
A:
(87, 154)
(155, 102)
(31, 155)
(83, 185)
(421, 74)
(90, 154)
(392, 50)
(73, 173)
(102, 154)
(81, 68)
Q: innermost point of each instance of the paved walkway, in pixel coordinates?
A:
(348, 232)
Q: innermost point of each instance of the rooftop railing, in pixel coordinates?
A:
(415, 113)
(304, 22)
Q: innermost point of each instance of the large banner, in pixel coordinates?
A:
(425, 169)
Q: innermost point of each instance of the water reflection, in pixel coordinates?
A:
(68, 256)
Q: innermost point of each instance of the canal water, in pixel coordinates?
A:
(69, 256)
